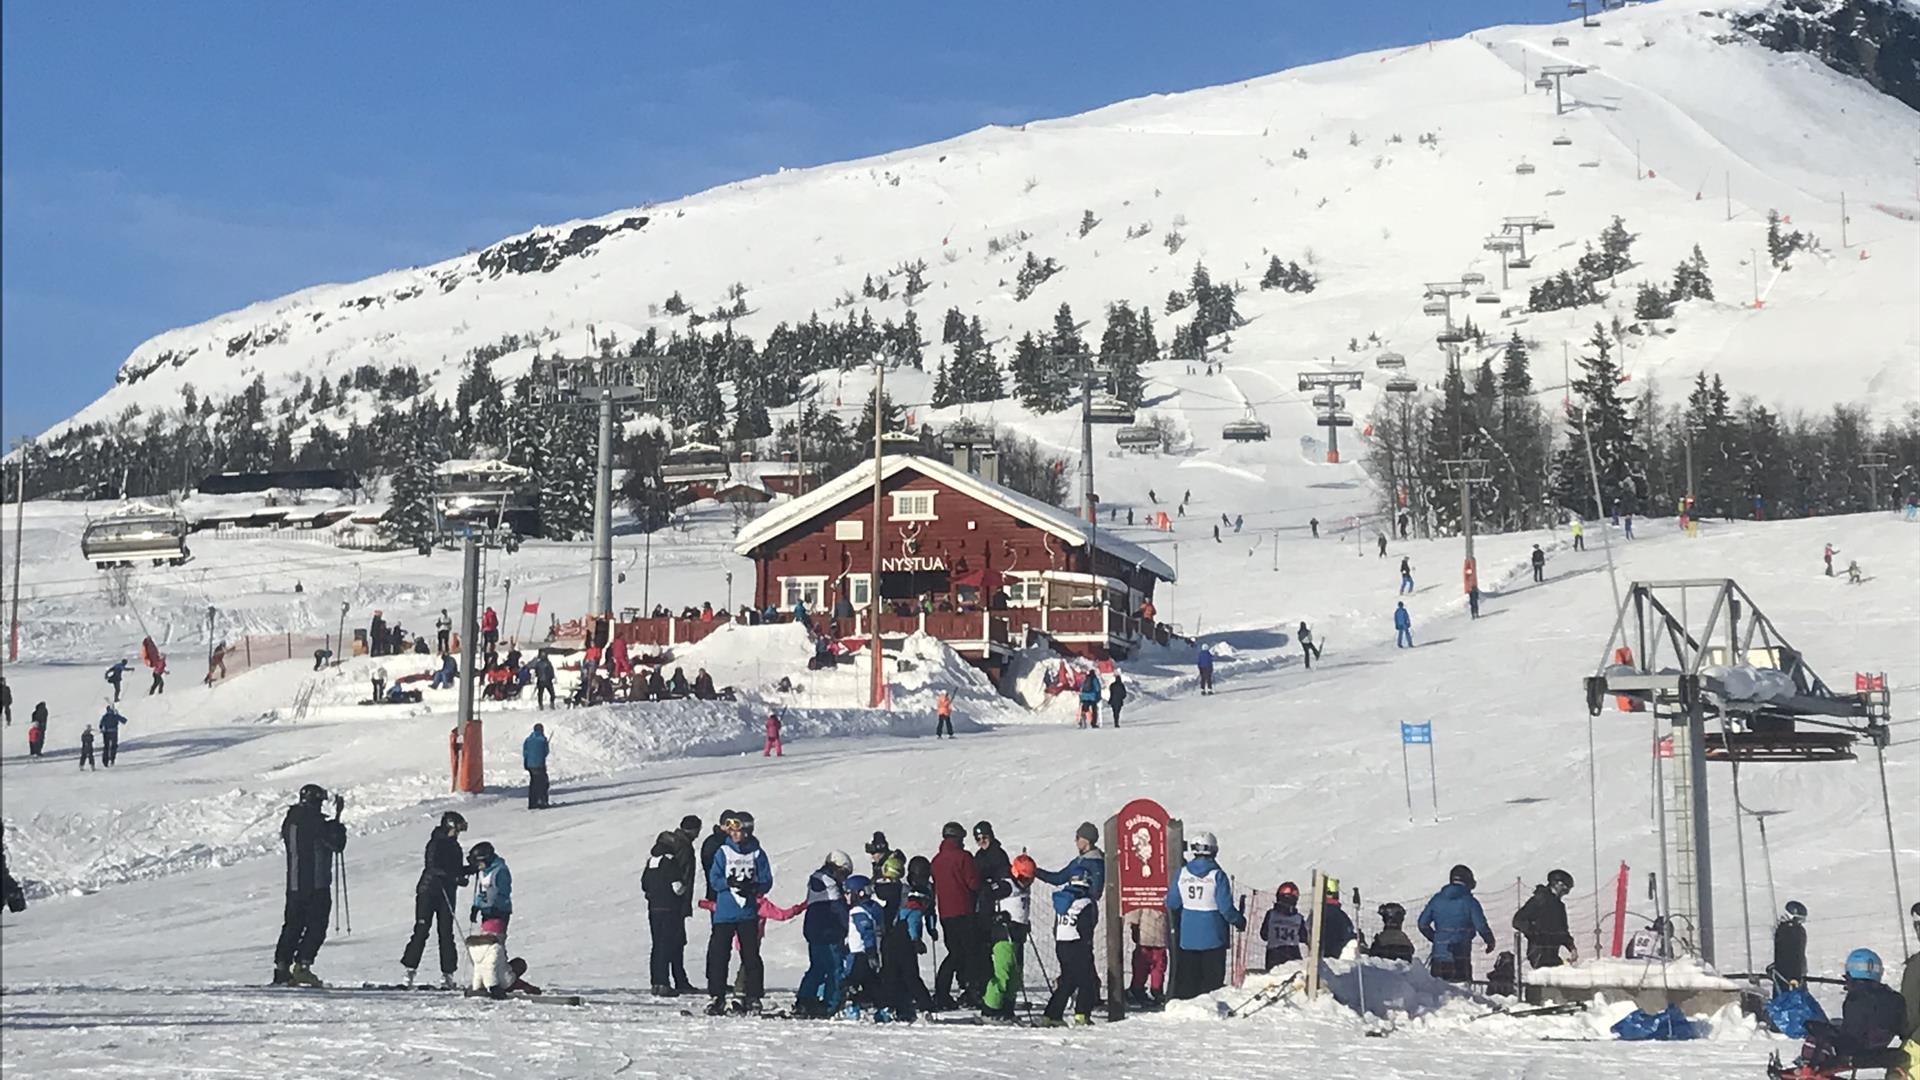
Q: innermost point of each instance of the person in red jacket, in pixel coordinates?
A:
(773, 749)
(956, 891)
(490, 626)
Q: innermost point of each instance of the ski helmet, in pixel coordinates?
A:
(1203, 843)
(1331, 890)
(312, 793)
(840, 861)
(1796, 910)
(738, 819)
(1392, 915)
(481, 852)
(1289, 891)
(894, 868)
(1560, 881)
(1863, 965)
(452, 820)
(1461, 874)
(859, 885)
(1024, 868)
(953, 830)
(878, 845)
(983, 830)
(919, 869)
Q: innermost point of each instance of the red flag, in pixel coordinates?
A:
(1665, 746)
(531, 607)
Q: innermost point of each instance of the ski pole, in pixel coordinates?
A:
(346, 901)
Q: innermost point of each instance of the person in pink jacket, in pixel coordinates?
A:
(773, 748)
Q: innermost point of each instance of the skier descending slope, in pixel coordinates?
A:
(311, 841)
(1200, 904)
(1450, 920)
(739, 875)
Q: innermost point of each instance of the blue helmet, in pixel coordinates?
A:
(1863, 965)
(859, 885)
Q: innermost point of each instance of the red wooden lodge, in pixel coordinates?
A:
(980, 566)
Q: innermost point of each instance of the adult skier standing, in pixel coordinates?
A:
(1203, 662)
(1402, 626)
(443, 629)
(1116, 696)
(443, 871)
(739, 875)
(664, 884)
(114, 675)
(1451, 920)
(956, 895)
(1542, 920)
(533, 755)
(543, 695)
(1539, 559)
(110, 722)
(1200, 906)
(312, 841)
(1088, 862)
(1789, 967)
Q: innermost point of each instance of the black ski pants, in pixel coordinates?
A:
(720, 953)
(86, 756)
(961, 962)
(543, 696)
(109, 747)
(432, 905)
(1077, 981)
(1199, 971)
(943, 727)
(303, 928)
(667, 961)
(1453, 969)
(537, 788)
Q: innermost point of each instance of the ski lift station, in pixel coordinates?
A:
(1248, 428)
(137, 533)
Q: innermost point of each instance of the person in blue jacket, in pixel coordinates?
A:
(1204, 662)
(533, 755)
(115, 674)
(739, 875)
(1451, 920)
(1090, 862)
(492, 886)
(860, 977)
(825, 928)
(1200, 907)
(1402, 626)
(110, 722)
(1090, 700)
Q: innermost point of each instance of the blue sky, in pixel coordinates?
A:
(163, 163)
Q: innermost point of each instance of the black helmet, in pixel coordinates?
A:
(919, 869)
(739, 819)
(1461, 874)
(312, 793)
(452, 820)
(481, 852)
(1560, 879)
(1392, 915)
(953, 830)
(878, 845)
(1797, 910)
(983, 830)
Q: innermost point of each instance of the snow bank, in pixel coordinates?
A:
(1686, 974)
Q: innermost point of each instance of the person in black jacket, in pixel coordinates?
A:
(1391, 942)
(664, 884)
(1335, 928)
(1116, 697)
(1542, 920)
(707, 848)
(445, 870)
(994, 870)
(312, 841)
(1789, 967)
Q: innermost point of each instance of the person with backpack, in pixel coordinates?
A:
(1116, 696)
(1451, 920)
(312, 842)
(443, 870)
(1090, 700)
(1077, 915)
(1542, 920)
(1391, 942)
(1284, 929)
(1200, 906)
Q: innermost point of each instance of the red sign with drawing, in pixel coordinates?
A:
(1143, 855)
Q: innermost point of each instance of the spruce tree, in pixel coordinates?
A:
(1599, 416)
(411, 520)
(1651, 303)
(571, 459)
(942, 388)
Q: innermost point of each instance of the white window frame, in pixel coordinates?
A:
(900, 498)
(816, 585)
(858, 590)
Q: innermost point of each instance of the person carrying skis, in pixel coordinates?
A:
(1542, 920)
(665, 885)
(773, 747)
(1147, 930)
(943, 713)
(114, 675)
(1872, 1018)
(859, 975)
(1309, 652)
(1451, 920)
(1201, 909)
(1116, 696)
(1090, 700)
(1789, 967)
(1203, 663)
(1406, 575)
(1077, 914)
(312, 843)
(956, 894)
(1284, 929)
(1391, 942)
(533, 755)
(1539, 559)
(1336, 930)
(825, 929)
(86, 749)
(443, 871)
(1402, 626)
(738, 875)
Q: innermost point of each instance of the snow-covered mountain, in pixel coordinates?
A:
(1379, 172)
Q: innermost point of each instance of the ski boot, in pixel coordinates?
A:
(746, 1006)
(447, 981)
(1082, 1019)
(411, 975)
(1050, 1022)
(717, 1007)
(302, 975)
(662, 990)
(281, 976)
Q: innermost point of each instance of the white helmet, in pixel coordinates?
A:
(1203, 843)
(839, 860)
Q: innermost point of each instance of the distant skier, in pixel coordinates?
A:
(1391, 942)
(1789, 968)
(1827, 557)
(543, 694)
(1090, 700)
(1309, 652)
(1404, 523)
(1473, 601)
(443, 630)
(86, 749)
(533, 755)
(1200, 903)
(1542, 920)
(1381, 539)
(1314, 524)
(1076, 916)
(1203, 662)
(1284, 929)
(490, 627)
(773, 747)
(312, 842)
(37, 731)
(1451, 920)
(110, 722)
(379, 679)
(1629, 526)
(1238, 521)
(11, 894)
(1116, 696)
(1402, 626)
(739, 875)
(377, 635)
(1406, 575)
(1579, 529)
(1336, 929)
(1853, 572)
(943, 713)
(1216, 534)
(443, 871)
(6, 701)
(1539, 559)
(115, 674)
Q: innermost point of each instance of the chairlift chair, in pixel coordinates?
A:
(1248, 428)
(1390, 360)
(1107, 409)
(1559, 41)
(1520, 262)
(136, 533)
(1563, 140)
(1450, 337)
(1338, 419)
(1487, 298)
(1524, 169)
(1543, 83)
(1327, 399)
(1542, 223)
(1138, 438)
(1473, 277)
(1433, 307)
(1401, 384)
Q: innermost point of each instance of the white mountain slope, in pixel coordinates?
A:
(1375, 213)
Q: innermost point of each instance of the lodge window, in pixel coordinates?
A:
(805, 590)
(858, 592)
(913, 506)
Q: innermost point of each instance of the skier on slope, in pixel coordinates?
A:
(1090, 700)
(1827, 557)
(533, 755)
(1309, 652)
(739, 875)
(1203, 663)
(1077, 914)
(665, 885)
(1116, 696)
(1451, 920)
(1539, 559)
(312, 842)
(490, 627)
(1542, 920)
(1284, 929)
(1391, 942)
(110, 722)
(115, 674)
(825, 929)
(956, 894)
(443, 872)
(1402, 626)
(1406, 575)
(1579, 529)
(1200, 906)
(443, 630)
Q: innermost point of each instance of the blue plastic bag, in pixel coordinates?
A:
(1670, 1025)
(1790, 1010)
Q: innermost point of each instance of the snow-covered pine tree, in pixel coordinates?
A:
(942, 387)
(1651, 303)
(570, 456)
(1601, 416)
(410, 520)
(1087, 223)
(1690, 280)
